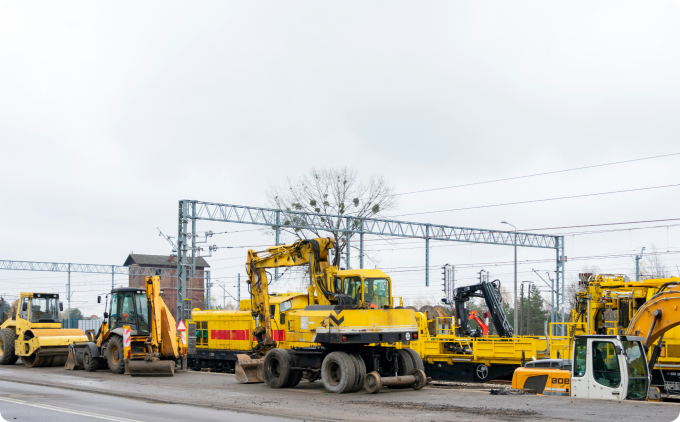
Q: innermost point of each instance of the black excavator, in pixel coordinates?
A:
(491, 292)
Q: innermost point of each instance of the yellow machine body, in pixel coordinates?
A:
(37, 342)
(545, 381)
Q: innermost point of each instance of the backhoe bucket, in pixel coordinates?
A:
(146, 368)
(249, 370)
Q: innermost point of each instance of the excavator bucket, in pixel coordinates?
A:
(249, 370)
(147, 368)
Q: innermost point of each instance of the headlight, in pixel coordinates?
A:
(408, 336)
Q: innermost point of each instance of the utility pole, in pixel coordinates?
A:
(515, 298)
(224, 297)
(208, 285)
(112, 277)
(637, 264)
(238, 291)
(68, 317)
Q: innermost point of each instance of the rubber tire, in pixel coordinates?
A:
(334, 363)
(8, 356)
(405, 365)
(417, 360)
(117, 343)
(295, 376)
(277, 372)
(90, 363)
(360, 368)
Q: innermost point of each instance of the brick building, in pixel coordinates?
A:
(195, 285)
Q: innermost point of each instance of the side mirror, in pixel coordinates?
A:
(106, 315)
(61, 306)
(99, 299)
(24, 307)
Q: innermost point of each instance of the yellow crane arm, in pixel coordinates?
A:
(656, 316)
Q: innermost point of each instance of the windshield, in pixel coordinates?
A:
(377, 292)
(637, 370)
(143, 310)
(44, 309)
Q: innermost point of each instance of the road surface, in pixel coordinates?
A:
(207, 397)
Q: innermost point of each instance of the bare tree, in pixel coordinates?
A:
(332, 191)
(652, 266)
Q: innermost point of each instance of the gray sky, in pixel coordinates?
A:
(112, 112)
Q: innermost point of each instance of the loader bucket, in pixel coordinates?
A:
(72, 360)
(249, 370)
(147, 368)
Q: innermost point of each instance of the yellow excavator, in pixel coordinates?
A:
(155, 346)
(34, 332)
(613, 366)
(344, 328)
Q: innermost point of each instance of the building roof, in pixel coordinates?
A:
(159, 261)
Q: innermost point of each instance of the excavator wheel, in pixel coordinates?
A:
(7, 338)
(406, 365)
(90, 363)
(338, 373)
(417, 360)
(295, 376)
(277, 364)
(360, 369)
(114, 355)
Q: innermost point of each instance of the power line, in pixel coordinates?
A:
(537, 174)
(541, 200)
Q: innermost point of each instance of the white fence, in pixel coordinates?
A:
(89, 324)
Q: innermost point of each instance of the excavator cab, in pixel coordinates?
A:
(363, 286)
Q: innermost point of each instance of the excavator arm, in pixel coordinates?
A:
(312, 252)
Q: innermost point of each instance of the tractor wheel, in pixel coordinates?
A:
(7, 338)
(360, 368)
(114, 355)
(406, 364)
(295, 376)
(277, 372)
(338, 373)
(90, 363)
(417, 360)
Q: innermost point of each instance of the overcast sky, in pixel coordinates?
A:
(112, 112)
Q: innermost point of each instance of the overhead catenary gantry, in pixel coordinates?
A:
(191, 211)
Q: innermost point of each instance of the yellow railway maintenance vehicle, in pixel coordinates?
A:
(343, 327)
(606, 305)
(34, 332)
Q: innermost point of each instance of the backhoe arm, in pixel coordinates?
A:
(162, 325)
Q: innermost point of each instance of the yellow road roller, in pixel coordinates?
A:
(34, 333)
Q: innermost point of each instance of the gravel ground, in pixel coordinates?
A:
(309, 401)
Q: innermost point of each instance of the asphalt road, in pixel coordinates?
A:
(207, 397)
(21, 402)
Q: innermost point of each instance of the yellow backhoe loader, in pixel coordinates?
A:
(344, 330)
(155, 346)
(34, 332)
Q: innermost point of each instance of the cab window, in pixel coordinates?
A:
(127, 309)
(23, 308)
(337, 285)
(143, 308)
(580, 350)
(114, 310)
(377, 292)
(606, 364)
(352, 288)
